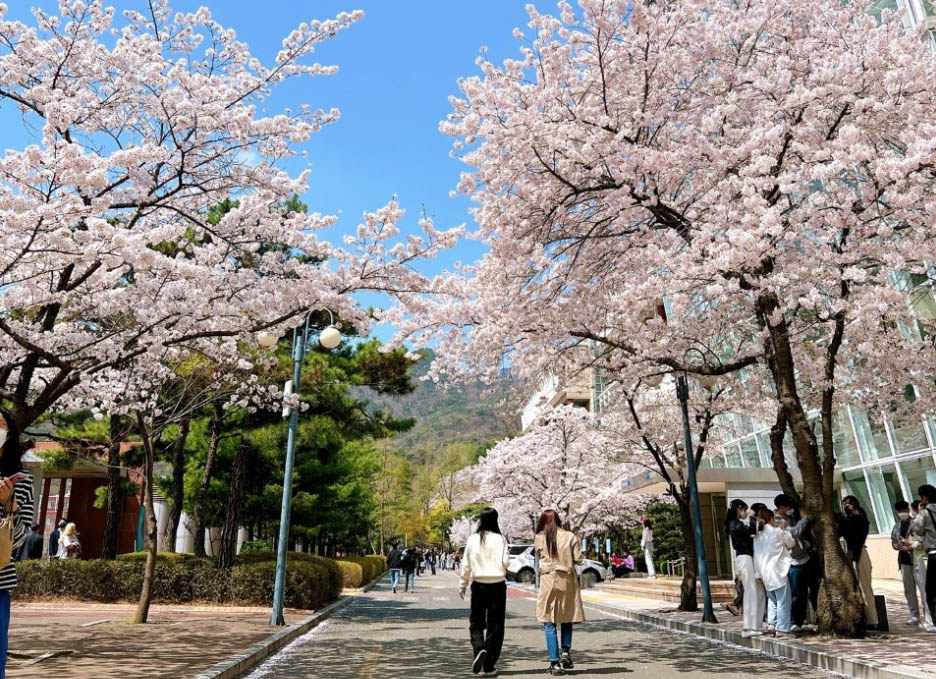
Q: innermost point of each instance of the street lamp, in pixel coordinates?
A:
(329, 338)
(682, 393)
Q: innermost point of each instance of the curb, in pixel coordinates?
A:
(241, 663)
(791, 650)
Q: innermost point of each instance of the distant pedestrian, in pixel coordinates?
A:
(920, 558)
(395, 565)
(853, 527)
(409, 564)
(485, 565)
(772, 560)
(741, 526)
(924, 525)
(646, 544)
(69, 545)
(16, 506)
(559, 600)
(54, 538)
(432, 561)
(32, 547)
(804, 569)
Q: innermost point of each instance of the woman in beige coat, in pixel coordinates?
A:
(559, 601)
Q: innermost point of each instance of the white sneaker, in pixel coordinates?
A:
(751, 633)
(796, 629)
(913, 620)
(931, 629)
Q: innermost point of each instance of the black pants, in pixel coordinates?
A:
(804, 581)
(488, 609)
(931, 585)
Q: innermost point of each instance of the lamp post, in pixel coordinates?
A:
(682, 393)
(329, 338)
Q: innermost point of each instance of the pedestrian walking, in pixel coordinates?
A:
(16, 507)
(646, 544)
(853, 527)
(54, 538)
(772, 560)
(741, 526)
(924, 525)
(395, 565)
(409, 564)
(901, 542)
(432, 561)
(559, 601)
(485, 566)
(920, 558)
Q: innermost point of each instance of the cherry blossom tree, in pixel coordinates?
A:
(113, 248)
(766, 168)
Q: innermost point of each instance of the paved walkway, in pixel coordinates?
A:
(385, 636)
(905, 648)
(179, 641)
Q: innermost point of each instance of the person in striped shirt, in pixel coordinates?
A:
(16, 499)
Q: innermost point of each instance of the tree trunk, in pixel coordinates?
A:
(198, 508)
(149, 570)
(226, 552)
(178, 487)
(841, 609)
(688, 597)
(112, 516)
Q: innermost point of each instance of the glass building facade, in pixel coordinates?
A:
(880, 461)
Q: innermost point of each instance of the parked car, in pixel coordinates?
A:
(522, 567)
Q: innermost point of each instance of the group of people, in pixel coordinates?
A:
(63, 543)
(558, 602)
(622, 565)
(777, 560)
(412, 561)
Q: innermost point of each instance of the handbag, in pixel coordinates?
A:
(6, 537)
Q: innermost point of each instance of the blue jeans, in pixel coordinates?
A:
(552, 643)
(4, 629)
(779, 603)
(394, 577)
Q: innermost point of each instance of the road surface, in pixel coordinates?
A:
(382, 635)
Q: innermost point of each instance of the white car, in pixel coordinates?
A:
(522, 567)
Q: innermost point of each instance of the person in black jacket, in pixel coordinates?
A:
(410, 560)
(741, 527)
(853, 526)
(394, 564)
(32, 547)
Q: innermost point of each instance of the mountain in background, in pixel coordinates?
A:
(472, 413)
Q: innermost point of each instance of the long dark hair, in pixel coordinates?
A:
(487, 522)
(12, 459)
(549, 524)
(732, 514)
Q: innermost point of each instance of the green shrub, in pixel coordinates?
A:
(357, 571)
(256, 546)
(311, 581)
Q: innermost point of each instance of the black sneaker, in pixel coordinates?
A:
(479, 661)
(555, 669)
(566, 659)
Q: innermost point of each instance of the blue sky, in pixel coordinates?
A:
(397, 68)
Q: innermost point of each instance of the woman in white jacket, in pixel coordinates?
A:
(772, 560)
(485, 564)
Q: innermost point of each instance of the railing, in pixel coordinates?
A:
(676, 564)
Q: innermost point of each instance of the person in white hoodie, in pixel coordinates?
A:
(772, 560)
(485, 565)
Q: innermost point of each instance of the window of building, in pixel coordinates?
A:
(843, 440)
(908, 435)
(763, 445)
(733, 455)
(884, 485)
(853, 483)
(918, 471)
(872, 435)
(749, 452)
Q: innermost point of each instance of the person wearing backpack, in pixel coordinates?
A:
(394, 565)
(924, 525)
(804, 584)
(409, 563)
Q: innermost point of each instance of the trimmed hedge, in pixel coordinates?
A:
(357, 571)
(311, 581)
